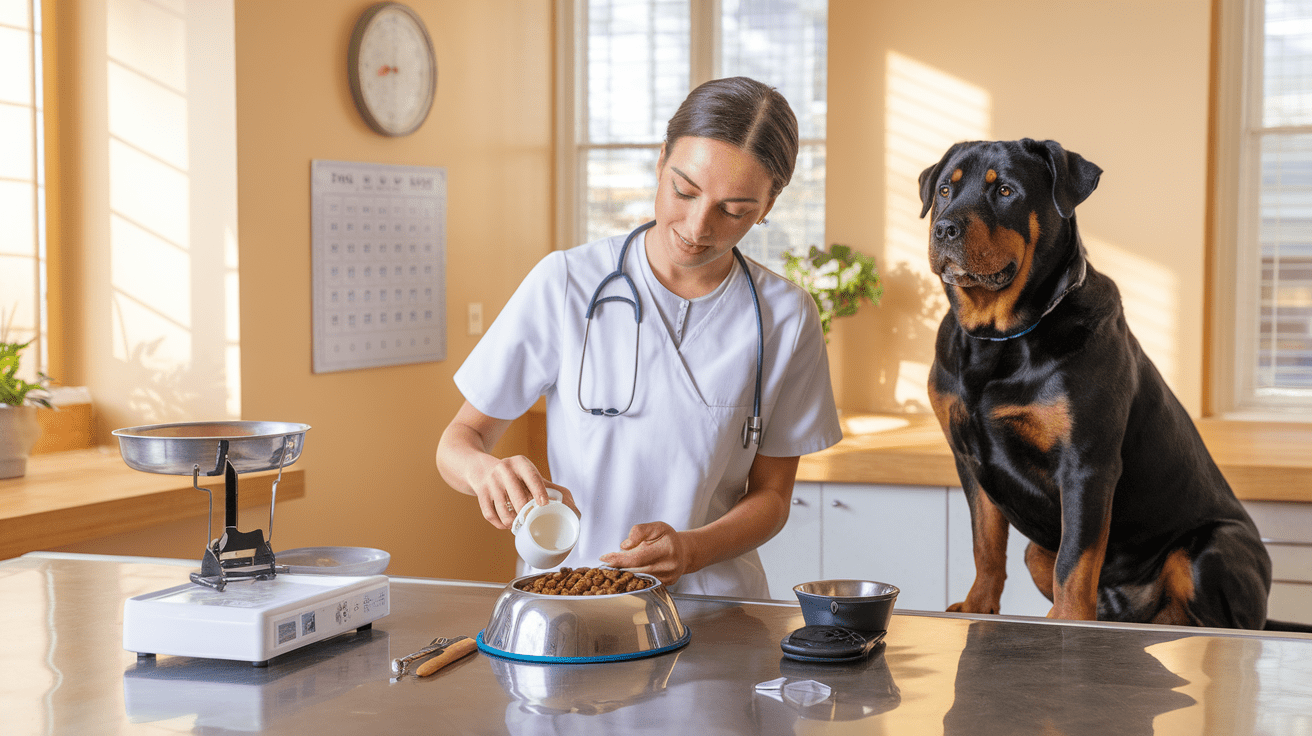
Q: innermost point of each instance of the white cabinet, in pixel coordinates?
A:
(1286, 528)
(892, 534)
(915, 537)
(1020, 597)
(793, 555)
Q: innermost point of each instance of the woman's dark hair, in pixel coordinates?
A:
(743, 113)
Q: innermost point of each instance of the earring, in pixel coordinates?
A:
(762, 221)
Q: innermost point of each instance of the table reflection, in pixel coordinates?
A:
(1015, 685)
(234, 696)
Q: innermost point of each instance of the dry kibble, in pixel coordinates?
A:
(585, 581)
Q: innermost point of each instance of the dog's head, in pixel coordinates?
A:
(1002, 237)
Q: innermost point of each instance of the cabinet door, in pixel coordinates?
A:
(793, 555)
(1286, 528)
(889, 534)
(1020, 597)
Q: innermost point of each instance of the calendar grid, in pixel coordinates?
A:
(378, 257)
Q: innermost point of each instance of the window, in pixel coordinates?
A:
(22, 181)
(1263, 97)
(634, 61)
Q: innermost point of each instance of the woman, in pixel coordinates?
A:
(657, 462)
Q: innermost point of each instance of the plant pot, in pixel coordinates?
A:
(18, 433)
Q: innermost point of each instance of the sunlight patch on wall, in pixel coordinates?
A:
(1150, 294)
(148, 116)
(149, 201)
(172, 211)
(926, 111)
(232, 324)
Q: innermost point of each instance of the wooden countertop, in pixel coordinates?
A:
(1263, 461)
(69, 497)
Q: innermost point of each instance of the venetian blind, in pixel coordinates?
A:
(1279, 138)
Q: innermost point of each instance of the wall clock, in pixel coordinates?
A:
(392, 69)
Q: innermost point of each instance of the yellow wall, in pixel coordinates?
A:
(1122, 82)
(369, 457)
(371, 478)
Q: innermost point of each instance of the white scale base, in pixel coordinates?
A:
(252, 620)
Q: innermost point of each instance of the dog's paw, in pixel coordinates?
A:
(967, 606)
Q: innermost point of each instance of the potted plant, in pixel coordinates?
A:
(19, 400)
(838, 279)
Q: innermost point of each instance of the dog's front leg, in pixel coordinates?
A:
(988, 532)
(1086, 522)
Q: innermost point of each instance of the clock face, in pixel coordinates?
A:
(392, 69)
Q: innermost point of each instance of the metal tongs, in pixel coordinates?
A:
(401, 665)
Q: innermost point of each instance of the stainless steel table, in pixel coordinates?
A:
(63, 670)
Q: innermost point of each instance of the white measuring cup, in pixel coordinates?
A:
(545, 535)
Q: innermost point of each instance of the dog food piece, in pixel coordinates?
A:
(585, 581)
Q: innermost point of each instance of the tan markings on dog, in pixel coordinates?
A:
(988, 528)
(1177, 586)
(990, 252)
(990, 176)
(1041, 563)
(956, 175)
(979, 307)
(942, 404)
(1044, 426)
(1076, 597)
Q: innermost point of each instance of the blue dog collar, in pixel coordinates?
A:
(1009, 337)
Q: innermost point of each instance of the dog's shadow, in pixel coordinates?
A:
(902, 329)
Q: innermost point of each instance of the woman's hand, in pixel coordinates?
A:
(658, 550)
(502, 485)
(510, 483)
(653, 548)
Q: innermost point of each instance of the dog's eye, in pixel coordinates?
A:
(944, 191)
(1004, 190)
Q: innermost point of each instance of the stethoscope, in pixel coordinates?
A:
(753, 426)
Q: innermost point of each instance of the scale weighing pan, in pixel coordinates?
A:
(178, 449)
(220, 448)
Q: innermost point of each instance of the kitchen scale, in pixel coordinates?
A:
(241, 605)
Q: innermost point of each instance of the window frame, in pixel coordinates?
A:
(1233, 267)
(36, 358)
(571, 98)
(570, 206)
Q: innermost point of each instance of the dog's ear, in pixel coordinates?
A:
(929, 177)
(1073, 178)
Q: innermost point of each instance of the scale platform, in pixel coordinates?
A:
(252, 620)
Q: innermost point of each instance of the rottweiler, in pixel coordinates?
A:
(1059, 424)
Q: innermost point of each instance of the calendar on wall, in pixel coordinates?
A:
(378, 261)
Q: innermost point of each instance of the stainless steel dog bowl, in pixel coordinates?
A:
(861, 605)
(534, 627)
(177, 449)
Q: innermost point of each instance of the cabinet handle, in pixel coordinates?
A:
(798, 502)
(837, 504)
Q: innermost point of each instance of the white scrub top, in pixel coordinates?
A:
(676, 455)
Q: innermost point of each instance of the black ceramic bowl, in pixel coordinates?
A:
(860, 605)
